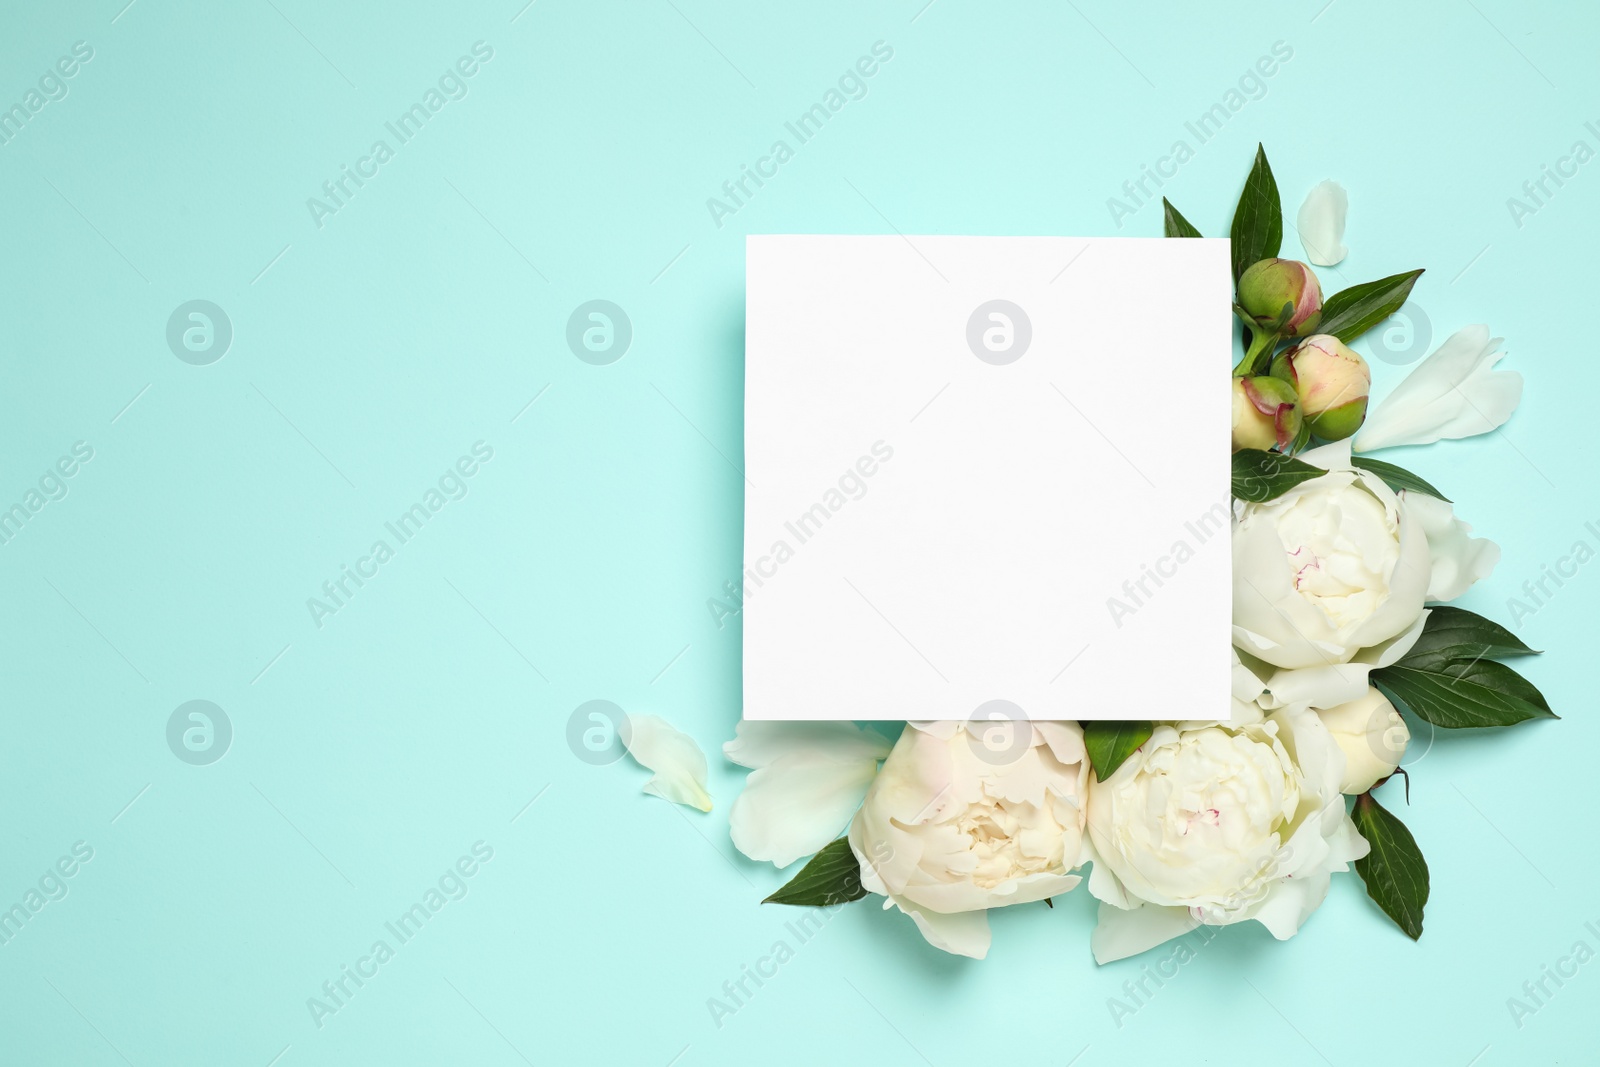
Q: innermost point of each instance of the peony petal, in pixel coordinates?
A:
(963, 933)
(1064, 740)
(795, 805)
(1291, 903)
(1247, 686)
(679, 764)
(1331, 684)
(1321, 223)
(1455, 392)
(1120, 934)
(1333, 456)
(951, 897)
(757, 743)
(1459, 559)
(1104, 885)
(1346, 845)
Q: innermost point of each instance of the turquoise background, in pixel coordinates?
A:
(428, 713)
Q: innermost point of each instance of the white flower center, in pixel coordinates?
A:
(1342, 548)
(1010, 840)
(1203, 814)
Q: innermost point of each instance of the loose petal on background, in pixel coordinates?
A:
(679, 764)
(1321, 223)
(1455, 392)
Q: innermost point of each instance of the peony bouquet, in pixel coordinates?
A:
(1342, 567)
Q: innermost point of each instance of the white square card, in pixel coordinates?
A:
(986, 475)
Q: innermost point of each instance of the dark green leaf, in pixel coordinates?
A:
(1174, 224)
(832, 876)
(1258, 220)
(1397, 478)
(1260, 476)
(1110, 743)
(1499, 678)
(1395, 872)
(1455, 634)
(1351, 312)
(1463, 694)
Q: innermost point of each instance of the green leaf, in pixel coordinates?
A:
(1173, 223)
(1260, 476)
(832, 876)
(1395, 872)
(1397, 478)
(1455, 634)
(1257, 231)
(1463, 694)
(1351, 312)
(1111, 743)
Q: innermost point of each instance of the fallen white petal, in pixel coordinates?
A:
(679, 765)
(1321, 223)
(1455, 392)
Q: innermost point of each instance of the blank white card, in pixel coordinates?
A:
(986, 477)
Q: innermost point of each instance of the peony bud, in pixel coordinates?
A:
(1372, 736)
(1264, 413)
(1331, 382)
(1271, 283)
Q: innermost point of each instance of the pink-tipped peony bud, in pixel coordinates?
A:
(1264, 413)
(1331, 382)
(1268, 285)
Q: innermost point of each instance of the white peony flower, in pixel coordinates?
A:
(964, 818)
(1455, 392)
(808, 778)
(1372, 736)
(1329, 579)
(1217, 823)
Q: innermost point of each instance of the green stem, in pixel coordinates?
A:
(1260, 341)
